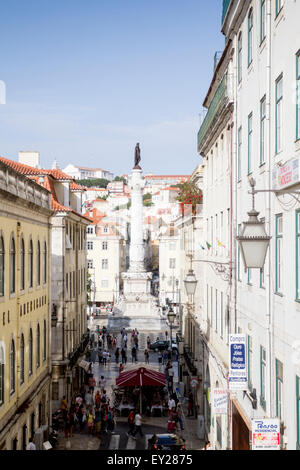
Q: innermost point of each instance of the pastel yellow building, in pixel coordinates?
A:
(25, 381)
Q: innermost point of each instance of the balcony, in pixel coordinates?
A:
(189, 361)
(218, 104)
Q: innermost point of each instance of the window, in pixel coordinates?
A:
(249, 361)
(30, 262)
(105, 264)
(104, 283)
(249, 275)
(239, 163)
(279, 388)
(90, 230)
(262, 20)
(38, 346)
(22, 265)
(45, 341)
(12, 266)
(279, 5)
(12, 362)
(297, 408)
(298, 96)
(104, 245)
(30, 345)
(45, 263)
(262, 272)
(250, 132)
(90, 245)
(263, 130)
(278, 254)
(263, 370)
(278, 114)
(105, 229)
(240, 46)
(250, 37)
(90, 264)
(172, 246)
(2, 361)
(38, 264)
(22, 360)
(297, 255)
(172, 263)
(2, 266)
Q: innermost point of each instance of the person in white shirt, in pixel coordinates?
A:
(30, 445)
(102, 383)
(171, 405)
(138, 425)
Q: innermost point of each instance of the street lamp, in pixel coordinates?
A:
(171, 318)
(253, 241)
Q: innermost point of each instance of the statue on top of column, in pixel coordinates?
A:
(137, 157)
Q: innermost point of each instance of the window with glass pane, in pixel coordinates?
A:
(12, 266)
(38, 347)
(30, 261)
(239, 165)
(262, 20)
(240, 46)
(2, 266)
(249, 275)
(45, 341)
(12, 361)
(38, 261)
(172, 263)
(30, 345)
(278, 253)
(45, 262)
(263, 368)
(90, 245)
(279, 5)
(298, 255)
(262, 130)
(279, 111)
(250, 36)
(105, 264)
(250, 132)
(298, 95)
(22, 360)
(279, 388)
(104, 245)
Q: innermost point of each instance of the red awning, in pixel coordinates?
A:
(141, 377)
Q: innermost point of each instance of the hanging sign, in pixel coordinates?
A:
(286, 175)
(219, 401)
(237, 362)
(265, 434)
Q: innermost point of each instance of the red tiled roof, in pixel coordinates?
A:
(76, 187)
(96, 217)
(29, 170)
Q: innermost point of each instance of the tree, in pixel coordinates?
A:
(120, 178)
(94, 183)
(189, 194)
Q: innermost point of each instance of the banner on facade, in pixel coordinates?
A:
(237, 362)
(286, 175)
(265, 434)
(219, 401)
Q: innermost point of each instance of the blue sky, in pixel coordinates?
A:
(87, 79)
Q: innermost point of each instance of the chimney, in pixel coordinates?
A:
(30, 159)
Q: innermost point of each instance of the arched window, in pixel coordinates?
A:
(22, 265)
(45, 262)
(22, 360)
(240, 47)
(45, 341)
(2, 260)
(12, 266)
(30, 262)
(12, 362)
(2, 361)
(38, 265)
(30, 345)
(38, 346)
(250, 36)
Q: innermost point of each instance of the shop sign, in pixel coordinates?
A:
(219, 401)
(286, 175)
(194, 382)
(237, 362)
(265, 434)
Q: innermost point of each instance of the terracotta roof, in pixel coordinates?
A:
(29, 170)
(96, 217)
(76, 187)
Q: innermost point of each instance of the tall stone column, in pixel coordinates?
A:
(136, 250)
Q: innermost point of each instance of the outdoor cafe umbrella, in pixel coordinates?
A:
(140, 377)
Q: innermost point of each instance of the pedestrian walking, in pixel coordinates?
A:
(102, 383)
(104, 358)
(97, 399)
(166, 334)
(136, 342)
(68, 424)
(97, 421)
(133, 355)
(90, 422)
(165, 357)
(89, 401)
(117, 355)
(31, 445)
(124, 356)
(125, 341)
(159, 358)
(180, 416)
(170, 378)
(130, 422)
(146, 354)
(138, 425)
(92, 384)
(171, 405)
(64, 406)
(148, 342)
